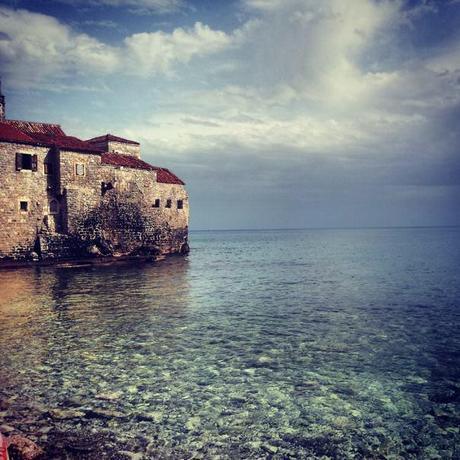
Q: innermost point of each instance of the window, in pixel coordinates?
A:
(80, 169)
(54, 207)
(26, 161)
(24, 206)
(105, 187)
(168, 203)
(156, 204)
(48, 168)
(180, 204)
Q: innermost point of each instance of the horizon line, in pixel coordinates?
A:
(320, 228)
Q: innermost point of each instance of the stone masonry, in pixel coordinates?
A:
(62, 197)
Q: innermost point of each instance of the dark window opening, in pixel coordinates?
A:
(105, 187)
(54, 207)
(26, 161)
(48, 168)
(180, 204)
(156, 204)
(23, 205)
(168, 203)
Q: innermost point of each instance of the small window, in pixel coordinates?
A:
(24, 206)
(26, 161)
(156, 204)
(180, 204)
(168, 203)
(48, 168)
(54, 207)
(80, 169)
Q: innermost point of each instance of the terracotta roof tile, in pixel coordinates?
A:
(33, 127)
(164, 175)
(9, 133)
(111, 137)
(66, 143)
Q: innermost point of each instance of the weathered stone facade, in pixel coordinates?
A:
(61, 197)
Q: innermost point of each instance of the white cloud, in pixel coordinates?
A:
(267, 5)
(309, 77)
(157, 52)
(303, 75)
(35, 47)
(137, 6)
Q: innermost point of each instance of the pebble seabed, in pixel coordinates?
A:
(143, 367)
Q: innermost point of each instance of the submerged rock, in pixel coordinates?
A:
(93, 250)
(66, 413)
(113, 396)
(104, 413)
(23, 448)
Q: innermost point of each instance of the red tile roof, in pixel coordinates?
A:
(111, 137)
(9, 133)
(42, 134)
(164, 176)
(33, 127)
(66, 143)
(49, 135)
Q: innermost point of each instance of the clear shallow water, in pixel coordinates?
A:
(276, 344)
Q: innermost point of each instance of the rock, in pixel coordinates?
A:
(104, 413)
(185, 249)
(271, 448)
(109, 396)
(44, 429)
(72, 402)
(154, 416)
(133, 455)
(6, 429)
(23, 448)
(193, 423)
(93, 250)
(66, 413)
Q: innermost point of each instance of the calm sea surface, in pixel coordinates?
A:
(260, 344)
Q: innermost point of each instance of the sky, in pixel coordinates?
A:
(276, 113)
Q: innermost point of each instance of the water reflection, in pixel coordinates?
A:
(63, 324)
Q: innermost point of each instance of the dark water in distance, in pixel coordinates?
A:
(260, 344)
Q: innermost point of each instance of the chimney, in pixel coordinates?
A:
(2, 103)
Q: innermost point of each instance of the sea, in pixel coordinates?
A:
(320, 343)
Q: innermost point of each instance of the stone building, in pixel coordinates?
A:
(63, 197)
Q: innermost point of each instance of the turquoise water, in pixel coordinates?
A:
(261, 344)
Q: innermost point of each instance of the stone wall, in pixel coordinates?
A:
(20, 227)
(128, 218)
(86, 208)
(124, 148)
(80, 187)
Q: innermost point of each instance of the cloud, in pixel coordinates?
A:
(135, 6)
(305, 105)
(54, 50)
(157, 52)
(267, 5)
(34, 47)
